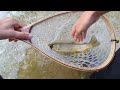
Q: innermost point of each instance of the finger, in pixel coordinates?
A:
(14, 22)
(82, 36)
(12, 39)
(79, 38)
(17, 29)
(15, 40)
(75, 36)
(73, 31)
(22, 35)
(15, 34)
(26, 29)
(18, 26)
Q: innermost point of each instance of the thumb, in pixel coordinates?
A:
(22, 35)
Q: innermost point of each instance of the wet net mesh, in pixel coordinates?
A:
(58, 28)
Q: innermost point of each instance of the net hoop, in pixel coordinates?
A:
(103, 65)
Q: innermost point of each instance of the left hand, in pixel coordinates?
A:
(10, 29)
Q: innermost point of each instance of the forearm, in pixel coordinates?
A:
(91, 17)
(96, 13)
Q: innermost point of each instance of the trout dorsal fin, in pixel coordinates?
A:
(94, 42)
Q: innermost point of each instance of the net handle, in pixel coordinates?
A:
(105, 64)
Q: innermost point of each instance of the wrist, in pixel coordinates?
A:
(96, 14)
(91, 17)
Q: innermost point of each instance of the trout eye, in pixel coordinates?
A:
(51, 46)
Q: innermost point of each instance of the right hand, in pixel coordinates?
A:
(79, 29)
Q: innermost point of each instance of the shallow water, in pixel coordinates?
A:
(35, 65)
(19, 60)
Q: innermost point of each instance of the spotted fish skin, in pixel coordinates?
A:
(72, 48)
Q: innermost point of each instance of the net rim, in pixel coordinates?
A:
(103, 65)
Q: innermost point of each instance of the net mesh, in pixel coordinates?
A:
(58, 28)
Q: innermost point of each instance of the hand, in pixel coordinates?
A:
(10, 29)
(79, 29)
